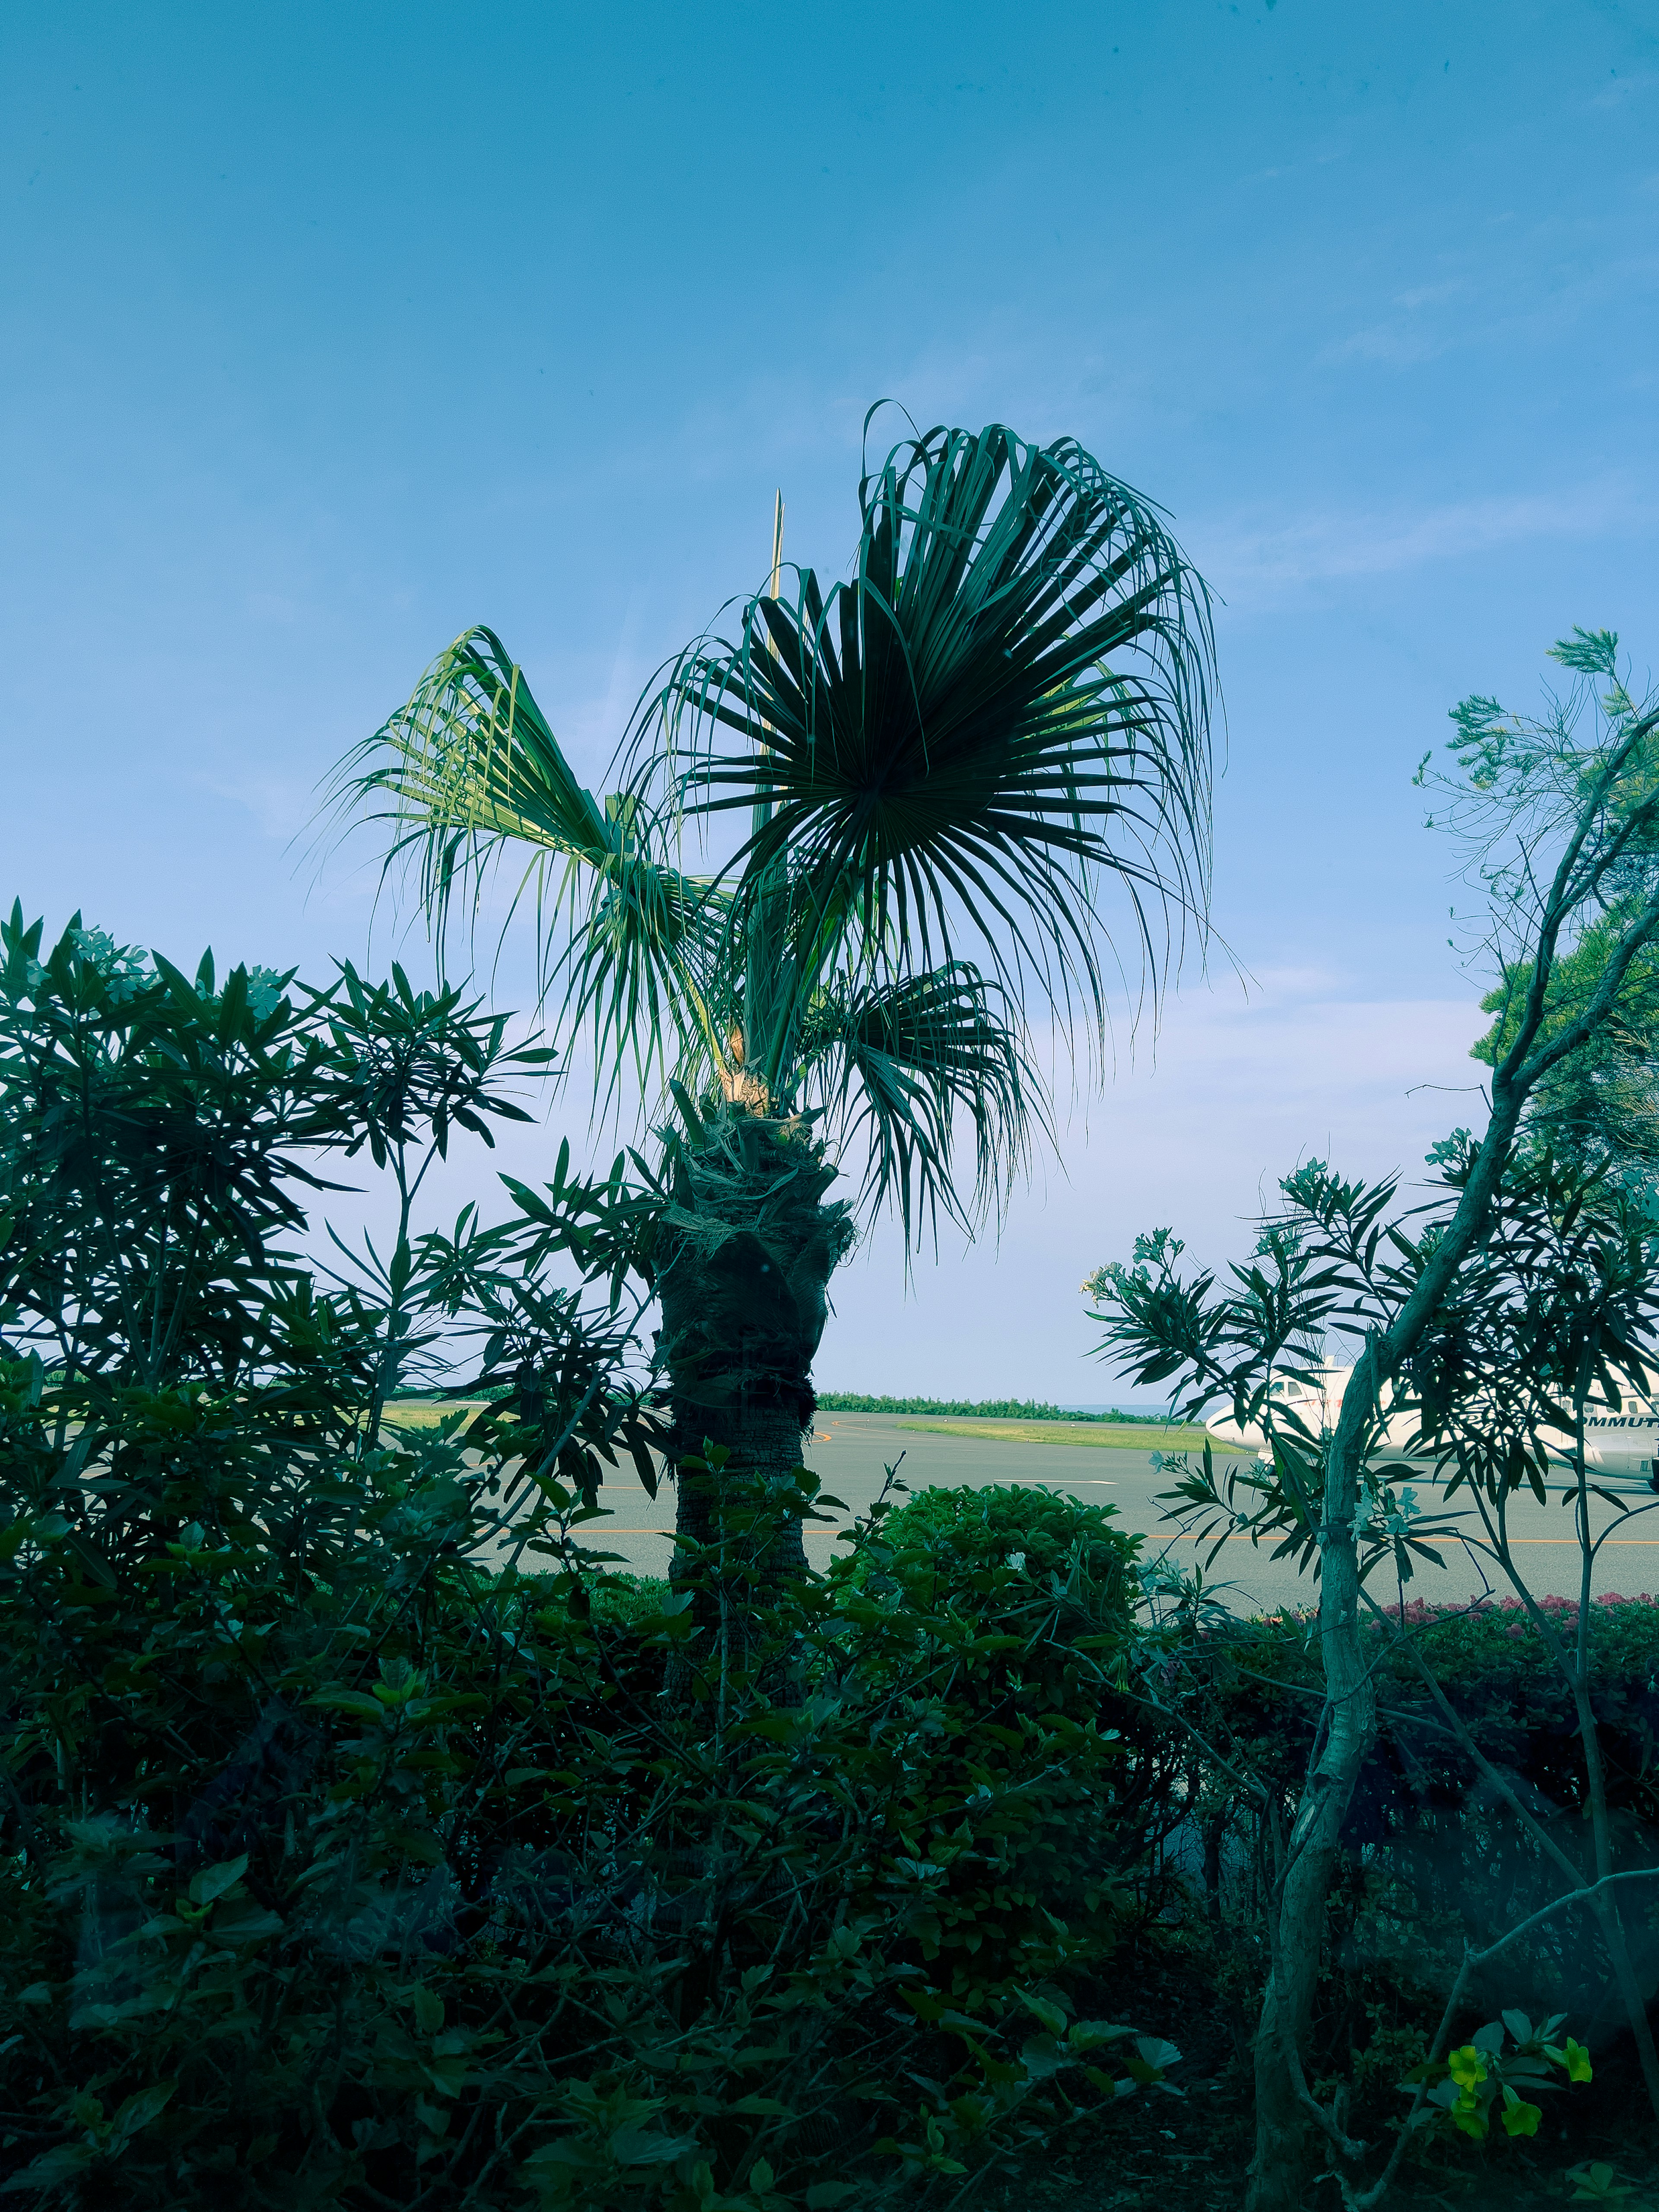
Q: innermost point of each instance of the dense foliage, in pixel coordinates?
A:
(1432, 1855)
(350, 1873)
(365, 1842)
(1598, 1108)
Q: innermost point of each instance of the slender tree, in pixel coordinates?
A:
(919, 788)
(1560, 814)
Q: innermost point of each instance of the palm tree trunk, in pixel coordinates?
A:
(745, 1253)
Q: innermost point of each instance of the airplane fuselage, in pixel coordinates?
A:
(1623, 1445)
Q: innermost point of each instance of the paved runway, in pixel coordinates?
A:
(850, 1452)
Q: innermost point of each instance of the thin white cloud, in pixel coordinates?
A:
(1294, 983)
(1247, 561)
(1400, 344)
(282, 805)
(1624, 89)
(1406, 337)
(1238, 1095)
(1319, 1049)
(1550, 279)
(1430, 295)
(273, 607)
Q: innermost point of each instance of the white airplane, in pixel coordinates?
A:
(1621, 1446)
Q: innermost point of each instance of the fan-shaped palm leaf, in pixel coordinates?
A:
(470, 767)
(1003, 713)
(893, 1068)
(1006, 707)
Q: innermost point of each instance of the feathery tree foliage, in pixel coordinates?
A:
(1558, 834)
(928, 780)
(1599, 1107)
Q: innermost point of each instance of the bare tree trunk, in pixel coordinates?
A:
(1286, 2142)
(761, 1440)
(1214, 1833)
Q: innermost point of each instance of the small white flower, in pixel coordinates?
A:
(264, 990)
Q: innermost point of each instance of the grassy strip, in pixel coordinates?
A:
(1106, 1435)
(428, 1413)
(1083, 1428)
(981, 1409)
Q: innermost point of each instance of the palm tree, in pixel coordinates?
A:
(932, 774)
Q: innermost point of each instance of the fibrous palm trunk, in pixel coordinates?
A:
(745, 1253)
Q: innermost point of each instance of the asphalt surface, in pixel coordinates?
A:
(851, 1452)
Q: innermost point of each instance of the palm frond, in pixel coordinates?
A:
(1006, 711)
(468, 771)
(894, 1066)
(949, 764)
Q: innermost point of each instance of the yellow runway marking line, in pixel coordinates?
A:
(1566, 1543)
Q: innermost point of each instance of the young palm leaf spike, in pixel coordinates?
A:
(934, 773)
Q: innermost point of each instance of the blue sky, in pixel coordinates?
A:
(328, 332)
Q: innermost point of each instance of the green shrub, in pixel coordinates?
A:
(1496, 1672)
(1433, 1855)
(365, 1876)
(953, 1536)
(339, 1865)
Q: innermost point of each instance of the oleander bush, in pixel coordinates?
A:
(348, 1873)
(1433, 1855)
(365, 1840)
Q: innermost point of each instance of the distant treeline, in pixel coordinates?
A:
(984, 1409)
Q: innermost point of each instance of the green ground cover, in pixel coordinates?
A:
(1105, 1436)
(996, 1409)
(428, 1412)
